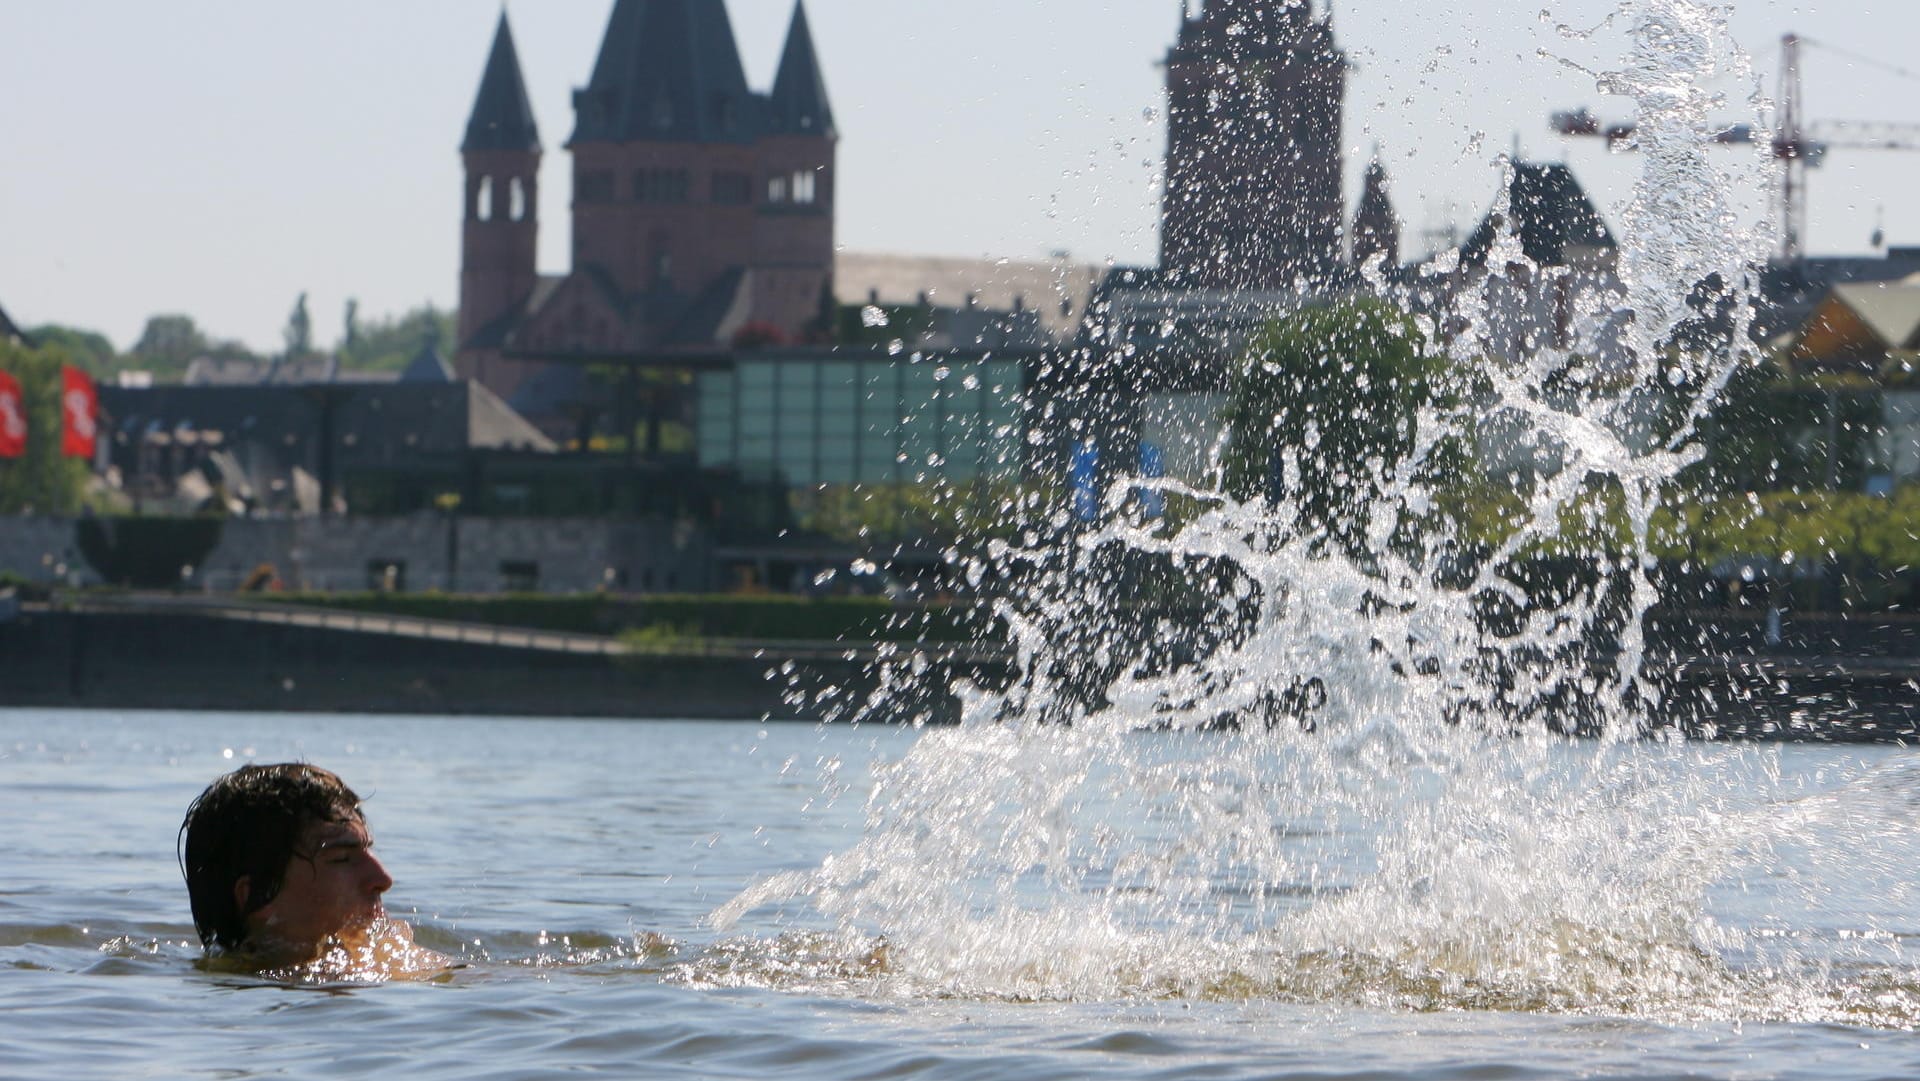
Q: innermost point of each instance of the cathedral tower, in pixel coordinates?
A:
(1254, 196)
(703, 210)
(797, 153)
(502, 217)
(692, 193)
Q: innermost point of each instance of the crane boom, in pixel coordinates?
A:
(1796, 144)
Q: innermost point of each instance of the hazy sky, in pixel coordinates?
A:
(218, 157)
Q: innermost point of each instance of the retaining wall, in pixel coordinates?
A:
(462, 555)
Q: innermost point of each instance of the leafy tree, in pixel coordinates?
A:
(299, 332)
(170, 342)
(43, 481)
(1326, 410)
(88, 349)
(1771, 432)
(390, 344)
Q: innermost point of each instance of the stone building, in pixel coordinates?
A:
(701, 208)
(1254, 196)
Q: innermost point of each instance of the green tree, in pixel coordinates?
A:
(1326, 409)
(88, 349)
(1770, 432)
(299, 332)
(390, 344)
(169, 342)
(43, 481)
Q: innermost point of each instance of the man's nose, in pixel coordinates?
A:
(377, 880)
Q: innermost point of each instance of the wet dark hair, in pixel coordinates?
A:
(249, 823)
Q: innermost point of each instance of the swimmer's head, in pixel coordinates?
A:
(278, 852)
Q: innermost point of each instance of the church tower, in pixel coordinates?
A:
(701, 208)
(502, 217)
(795, 244)
(1254, 196)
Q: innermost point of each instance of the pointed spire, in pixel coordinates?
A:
(668, 71)
(502, 113)
(1376, 228)
(799, 104)
(428, 366)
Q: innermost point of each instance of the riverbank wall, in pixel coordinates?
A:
(1832, 680)
(188, 661)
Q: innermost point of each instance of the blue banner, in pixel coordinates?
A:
(1085, 480)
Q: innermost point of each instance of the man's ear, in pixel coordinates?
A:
(242, 889)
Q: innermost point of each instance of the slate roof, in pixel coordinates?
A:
(668, 71)
(494, 335)
(553, 390)
(715, 315)
(799, 105)
(502, 113)
(376, 423)
(427, 366)
(1551, 214)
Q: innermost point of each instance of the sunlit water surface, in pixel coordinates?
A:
(547, 854)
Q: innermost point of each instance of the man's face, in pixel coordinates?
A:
(332, 885)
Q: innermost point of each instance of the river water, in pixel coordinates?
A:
(548, 855)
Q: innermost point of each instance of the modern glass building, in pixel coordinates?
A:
(814, 417)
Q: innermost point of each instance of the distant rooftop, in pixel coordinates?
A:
(1056, 290)
(1550, 212)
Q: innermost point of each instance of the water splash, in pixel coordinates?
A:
(1341, 770)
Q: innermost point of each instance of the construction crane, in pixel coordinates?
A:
(1799, 146)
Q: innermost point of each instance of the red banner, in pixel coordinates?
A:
(13, 418)
(80, 405)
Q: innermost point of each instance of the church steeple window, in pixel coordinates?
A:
(517, 199)
(483, 200)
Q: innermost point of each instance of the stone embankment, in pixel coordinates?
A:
(187, 653)
(1720, 674)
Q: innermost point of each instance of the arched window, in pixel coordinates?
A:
(483, 200)
(777, 189)
(517, 200)
(804, 191)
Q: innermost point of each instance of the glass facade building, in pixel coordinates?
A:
(829, 419)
